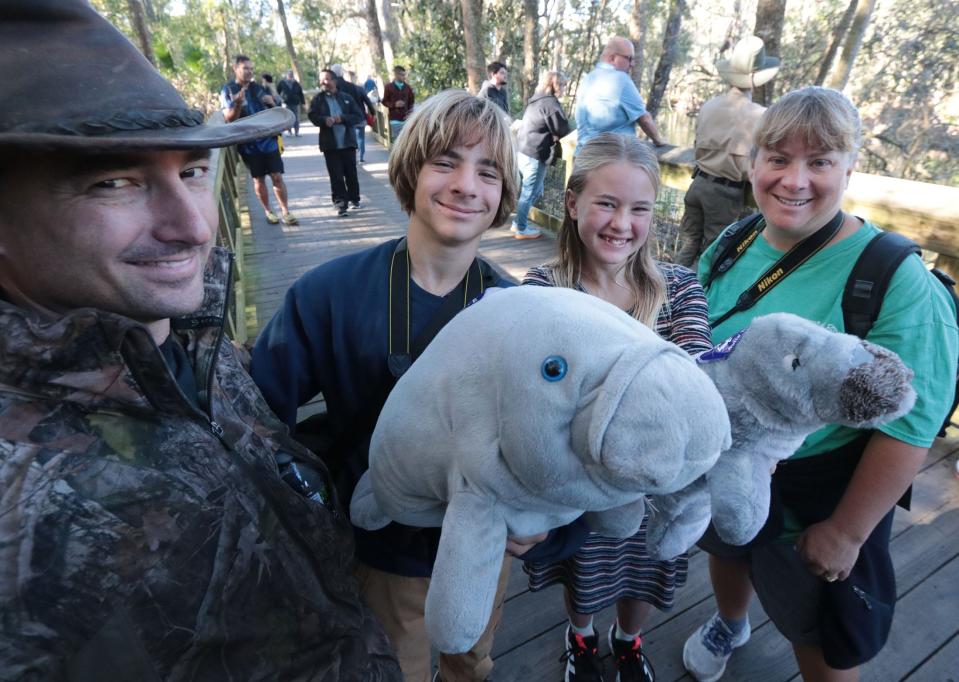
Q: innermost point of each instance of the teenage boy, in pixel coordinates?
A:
(454, 171)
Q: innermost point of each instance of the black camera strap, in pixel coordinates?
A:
(778, 271)
(402, 350)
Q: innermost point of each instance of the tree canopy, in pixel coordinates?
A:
(898, 60)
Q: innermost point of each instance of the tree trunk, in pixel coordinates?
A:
(597, 7)
(281, 10)
(139, 20)
(667, 57)
(860, 22)
(837, 37)
(530, 47)
(148, 6)
(558, 35)
(390, 39)
(375, 38)
(770, 15)
(472, 34)
(637, 34)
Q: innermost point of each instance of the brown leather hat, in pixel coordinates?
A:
(72, 81)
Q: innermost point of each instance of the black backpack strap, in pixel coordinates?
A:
(732, 244)
(867, 283)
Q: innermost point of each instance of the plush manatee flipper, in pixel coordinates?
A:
(364, 510)
(468, 562)
(678, 520)
(739, 494)
(619, 522)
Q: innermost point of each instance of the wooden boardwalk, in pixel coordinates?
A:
(924, 645)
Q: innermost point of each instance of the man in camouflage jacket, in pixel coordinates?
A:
(156, 520)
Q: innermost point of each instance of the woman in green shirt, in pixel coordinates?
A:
(803, 156)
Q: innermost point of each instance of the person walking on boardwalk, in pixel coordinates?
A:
(244, 97)
(291, 92)
(606, 249)
(821, 566)
(724, 133)
(336, 114)
(157, 522)
(362, 102)
(398, 98)
(608, 101)
(544, 123)
(340, 332)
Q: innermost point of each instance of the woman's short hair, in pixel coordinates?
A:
(550, 82)
(642, 273)
(820, 118)
(448, 119)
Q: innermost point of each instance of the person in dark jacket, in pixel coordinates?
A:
(336, 114)
(544, 123)
(359, 94)
(157, 522)
(291, 92)
(398, 98)
(494, 88)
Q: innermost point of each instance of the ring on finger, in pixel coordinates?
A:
(831, 578)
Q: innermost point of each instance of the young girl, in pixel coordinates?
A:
(605, 250)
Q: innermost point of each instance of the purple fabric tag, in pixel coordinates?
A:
(475, 299)
(722, 351)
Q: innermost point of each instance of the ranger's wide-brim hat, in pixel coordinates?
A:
(73, 82)
(748, 67)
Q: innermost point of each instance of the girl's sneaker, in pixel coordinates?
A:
(582, 658)
(631, 663)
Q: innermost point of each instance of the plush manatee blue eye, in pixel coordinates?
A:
(554, 368)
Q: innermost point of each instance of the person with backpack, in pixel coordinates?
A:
(821, 565)
(349, 329)
(544, 123)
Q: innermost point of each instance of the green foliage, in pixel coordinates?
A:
(435, 54)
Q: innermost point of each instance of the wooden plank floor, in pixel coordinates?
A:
(924, 644)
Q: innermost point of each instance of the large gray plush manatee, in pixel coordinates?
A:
(528, 409)
(782, 378)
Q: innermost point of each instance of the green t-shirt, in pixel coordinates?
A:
(917, 321)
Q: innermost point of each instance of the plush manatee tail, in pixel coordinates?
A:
(468, 562)
(364, 510)
(677, 521)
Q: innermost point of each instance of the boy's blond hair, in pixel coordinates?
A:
(820, 118)
(446, 120)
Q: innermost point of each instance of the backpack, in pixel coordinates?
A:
(865, 288)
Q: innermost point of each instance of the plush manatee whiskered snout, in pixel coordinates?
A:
(878, 390)
(638, 436)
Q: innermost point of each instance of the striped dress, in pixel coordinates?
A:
(605, 570)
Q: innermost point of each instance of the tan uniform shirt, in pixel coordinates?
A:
(724, 134)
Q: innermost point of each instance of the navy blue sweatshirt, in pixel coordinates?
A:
(331, 337)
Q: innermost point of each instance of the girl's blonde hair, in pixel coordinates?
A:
(550, 83)
(820, 118)
(643, 276)
(446, 120)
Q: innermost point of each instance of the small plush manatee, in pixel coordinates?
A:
(528, 409)
(782, 378)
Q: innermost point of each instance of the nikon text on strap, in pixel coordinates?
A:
(778, 271)
(402, 350)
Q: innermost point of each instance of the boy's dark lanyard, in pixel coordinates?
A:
(778, 271)
(403, 351)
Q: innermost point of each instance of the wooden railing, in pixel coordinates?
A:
(226, 188)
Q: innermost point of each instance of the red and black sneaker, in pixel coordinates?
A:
(582, 658)
(631, 663)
